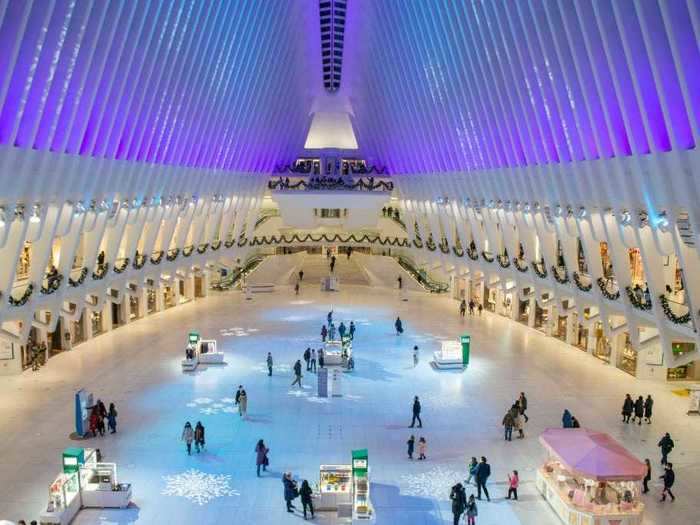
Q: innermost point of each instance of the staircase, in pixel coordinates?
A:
(383, 271)
(347, 271)
(685, 229)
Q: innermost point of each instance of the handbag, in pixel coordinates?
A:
(266, 461)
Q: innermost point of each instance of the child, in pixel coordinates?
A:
(411, 443)
(422, 447)
(513, 482)
(472, 511)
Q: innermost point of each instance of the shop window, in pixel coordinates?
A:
(628, 357)
(581, 256)
(636, 266)
(605, 259)
(24, 261)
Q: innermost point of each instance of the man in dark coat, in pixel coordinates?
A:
(669, 478)
(639, 409)
(627, 408)
(297, 373)
(666, 445)
(290, 490)
(307, 357)
(483, 471)
(648, 405)
(416, 413)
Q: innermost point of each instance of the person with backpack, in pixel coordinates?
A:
(483, 471)
(416, 413)
(290, 490)
(459, 502)
(261, 460)
(307, 357)
(199, 441)
(666, 445)
(471, 511)
(508, 424)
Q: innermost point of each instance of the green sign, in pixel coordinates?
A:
(194, 338)
(466, 342)
(73, 457)
(359, 462)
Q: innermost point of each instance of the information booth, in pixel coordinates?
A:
(453, 354)
(200, 351)
(588, 478)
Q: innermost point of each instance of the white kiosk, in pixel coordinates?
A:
(202, 351)
(453, 354)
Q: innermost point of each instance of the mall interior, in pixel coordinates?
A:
(273, 260)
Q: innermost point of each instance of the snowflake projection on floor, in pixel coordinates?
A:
(199, 487)
(228, 400)
(203, 400)
(191, 405)
(230, 410)
(316, 399)
(209, 411)
(276, 369)
(237, 331)
(297, 393)
(434, 483)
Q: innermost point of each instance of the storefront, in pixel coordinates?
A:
(168, 296)
(589, 478)
(561, 327)
(582, 338)
(133, 308)
(541, 317)
(602, 349)
(627, 357)
(490, 295)
(151, 302)
(524, 311)
(97, 322)
(78, 330)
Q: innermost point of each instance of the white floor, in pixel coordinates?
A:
(138, 368)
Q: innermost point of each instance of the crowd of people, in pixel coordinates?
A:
(637, 410)
(98, 414)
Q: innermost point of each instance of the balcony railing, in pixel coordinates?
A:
(331, 183)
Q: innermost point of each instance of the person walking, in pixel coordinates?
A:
(416, 413)
(471, 468)
(480, 308)
(518, 421)
(341, 330)
(411, 443)
(238, 394)
(297, 373)
(666, 445)
(647, 476)
(669, 478)
(522, 404)
(112, 419)
(269, 364)
(566, 421)
(398, 325)
(301, 275)
(296, 288)
(351, 329)
(324, 333)
(638, 410)
(462, 308)
(290, 490)
(459, 502)
(188, 437)
(415, 356)
(399, 281)
(199, 441)
(627, 408)
(261, 460)
(472, 511)
(312, 361)
(483, 471)
(243, 404)
(513, 482)
(648, 406)
(422, 447)
(306, 493)
(508, 424)
(307, 358)
(321, 357)
(329, 317)
(331, 332)
(471, 307)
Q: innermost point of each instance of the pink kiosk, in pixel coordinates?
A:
(590, 479)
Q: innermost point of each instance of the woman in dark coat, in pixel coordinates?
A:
(290, 490)
(648, 405)
(399, 326)
(459, 502)
(199, 436)
(627, 408)
(261, 456)
(305, 492)
(639, 409)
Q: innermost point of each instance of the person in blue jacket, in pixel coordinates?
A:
(566, 420)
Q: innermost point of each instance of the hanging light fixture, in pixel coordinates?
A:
(36, 214)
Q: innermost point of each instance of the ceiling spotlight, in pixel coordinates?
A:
(36, 214)
(662, 222)
(582, 212)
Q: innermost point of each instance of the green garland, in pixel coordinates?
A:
(517, 263)
(542, 274)
(188, 250)
(635, 301)
(202, 248)
(472, 253)
(102, 270)
(488, 258)
(503, 260)
(81, 278)
(157, 258)
(123, 267)
(53, 285)
(558, 278)
(602, 284)
(444, 246)
(215, 246)
(458, 251)
(172, 254)
(675, 319)
(583, 287)
(25, 297)
(229, 244)
(139, 261)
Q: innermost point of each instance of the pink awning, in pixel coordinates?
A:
(592, 454)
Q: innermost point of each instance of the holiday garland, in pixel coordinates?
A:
(539, 269)
(640, 304)
(215, 245)
(472, 253)
(518, 263)
(675, 319)
(487, 257)
(444, 246)
(558, 278)
(101, 272)
(139, 261)
(369, 185)
(430, 243)
(123, 267)
(603, 285)
(188, 250)
(503, 260)
(22, 300)
(202, 248)
(158, 257)
(81, 278)
(458, 251)
(580, 285)
(53, 284)
(172, 254)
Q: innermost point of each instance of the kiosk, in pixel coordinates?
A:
(334, 488)
(83, 404)
(345, 489)
(202, 351)
(453, 354)
(590, 479)
(84, 482)
(333, 353)
(362, 509)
